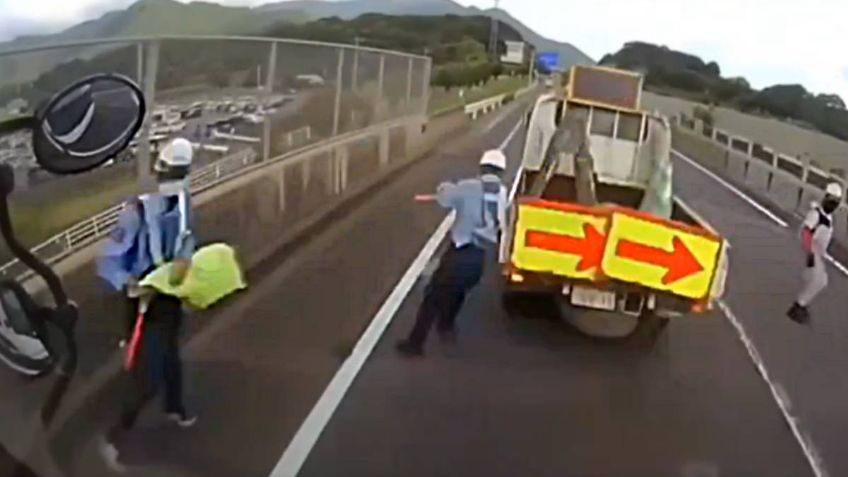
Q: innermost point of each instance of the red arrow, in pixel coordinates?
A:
(680, 262)
(590, 247)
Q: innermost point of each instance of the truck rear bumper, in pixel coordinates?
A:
(610, 296)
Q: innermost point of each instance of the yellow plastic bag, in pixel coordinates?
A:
(214, 274)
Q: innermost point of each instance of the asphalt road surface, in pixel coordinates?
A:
(526, 396)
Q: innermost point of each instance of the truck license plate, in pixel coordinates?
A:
(592, 298)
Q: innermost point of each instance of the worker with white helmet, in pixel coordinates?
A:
(815, 235)
(161, 235)
(480, 207)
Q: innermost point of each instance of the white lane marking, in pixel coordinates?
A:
(734, 190)
(777, 391)
(779, 394)
(511, 135)
(307, 435)
(836, 264)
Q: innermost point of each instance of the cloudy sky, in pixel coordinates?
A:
(767, 41)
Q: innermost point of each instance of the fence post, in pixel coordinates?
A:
(409, 83)
(425, 87)
(338, 103)
(354, 85)
(269, 88)
(145, 175)
(378, 96)
(139, 65)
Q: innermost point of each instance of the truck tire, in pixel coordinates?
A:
(650, 329)
(514, 304)
(598, 324)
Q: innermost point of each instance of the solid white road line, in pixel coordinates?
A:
(310, 430)
(836, 264)
(807, 446)
(734, 190)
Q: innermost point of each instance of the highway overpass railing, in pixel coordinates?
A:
(790, 183)
(388, 143)
(218, 92)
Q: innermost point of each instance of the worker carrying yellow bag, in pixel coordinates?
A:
(214, 274)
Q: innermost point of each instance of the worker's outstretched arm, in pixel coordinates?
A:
(807, 232)
(447, 195)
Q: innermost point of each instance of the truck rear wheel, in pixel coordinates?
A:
(650, 328)
(599, 324)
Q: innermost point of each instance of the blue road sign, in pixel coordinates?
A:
(549, 59)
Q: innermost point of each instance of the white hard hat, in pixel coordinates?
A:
(494, 158)
(178, 153)
(834, 190)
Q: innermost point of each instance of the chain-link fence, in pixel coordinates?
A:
(227, 95)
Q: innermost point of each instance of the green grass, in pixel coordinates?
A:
(442, 101)
(35, 224)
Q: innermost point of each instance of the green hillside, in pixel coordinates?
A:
(457, 45)
(144, 18)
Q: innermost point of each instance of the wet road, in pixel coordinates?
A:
(531, 397)
(515, 396)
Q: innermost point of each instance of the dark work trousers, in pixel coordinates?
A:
(131, 313)
(157, 363)
(460, 270)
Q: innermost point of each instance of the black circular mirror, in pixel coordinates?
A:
(88, 123)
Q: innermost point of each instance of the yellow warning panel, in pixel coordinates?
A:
(562, 239)
(660, 254)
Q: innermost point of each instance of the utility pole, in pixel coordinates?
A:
(493, 34)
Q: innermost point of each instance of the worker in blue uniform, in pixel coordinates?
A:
(157, 232)
(480, 207)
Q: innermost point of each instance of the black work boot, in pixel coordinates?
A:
(409, 349)
(799, 314)
(448, 335)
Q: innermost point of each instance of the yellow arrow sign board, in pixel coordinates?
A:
(662, 255)
(561, 239)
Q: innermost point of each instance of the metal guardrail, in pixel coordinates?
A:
(100, 225)
(787, 182)
(490, 104)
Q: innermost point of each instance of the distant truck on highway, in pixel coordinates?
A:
(593, 221)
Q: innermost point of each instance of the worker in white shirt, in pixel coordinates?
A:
(480, 206)
(815, 237)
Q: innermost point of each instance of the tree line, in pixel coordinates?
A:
(672, 71)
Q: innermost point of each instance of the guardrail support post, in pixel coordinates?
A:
(383, 147)
(145, 171)
(344, 161)
(281, 190)
(338, 103)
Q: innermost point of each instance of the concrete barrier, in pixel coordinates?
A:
(759, 176)
(786, 191)
(737, 166)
